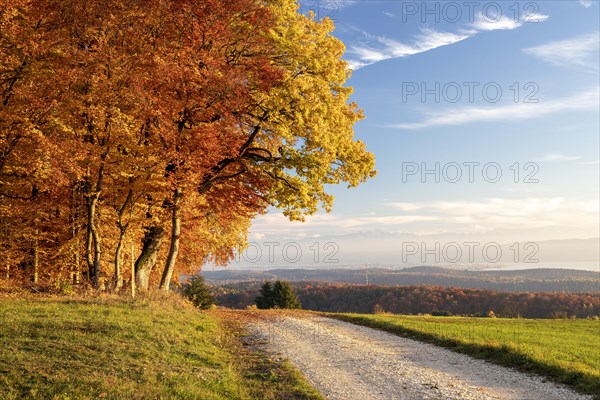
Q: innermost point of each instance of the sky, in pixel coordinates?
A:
(484, 120)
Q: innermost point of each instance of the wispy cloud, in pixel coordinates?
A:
(323, 221)
(338, 4)
(499, 213)
(586, 3)
(383, 48)
(466, 216)
(505, 23)
(427, 39)
(459, 116)
(580, 52)
(553, 157)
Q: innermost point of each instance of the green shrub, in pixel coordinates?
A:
(198, 292)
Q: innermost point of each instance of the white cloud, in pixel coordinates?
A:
(389, 14)
(580, 52)
(535, 18)
(427, 39)
(583, 101)
(257, 236)
(505, 22)
(345, 3)
(498, 213)
(586, 3)
(276, 223)
(557, 157)
(385, 220)
(460, 216)
(335, 5)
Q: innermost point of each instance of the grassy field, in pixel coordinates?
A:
(566, 351)
(111, 349)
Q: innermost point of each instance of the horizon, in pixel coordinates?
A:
(519, 167)
(395, 267)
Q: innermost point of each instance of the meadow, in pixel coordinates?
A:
(563, 350)
(115, 349)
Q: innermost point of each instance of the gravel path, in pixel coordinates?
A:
(346, 361)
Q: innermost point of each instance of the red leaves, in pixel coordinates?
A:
(126, 99)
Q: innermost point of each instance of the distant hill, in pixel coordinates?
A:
(531, 280)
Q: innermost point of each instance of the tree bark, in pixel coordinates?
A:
(97, 254)
(117, 277)
(147, 260)
(132, 272)
(174, 249)
(36, 259)
(122, 231)
(89, 256)
(93, 247)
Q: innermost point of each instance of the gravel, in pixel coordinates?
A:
(346, 361)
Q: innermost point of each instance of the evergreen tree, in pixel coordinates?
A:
(198, 293)
(277, 295)
(285, 296)
(265, 300)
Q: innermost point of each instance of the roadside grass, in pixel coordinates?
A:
(565, 351)
(147, 349)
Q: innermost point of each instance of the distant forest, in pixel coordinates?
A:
(434, 300)
(532, 280)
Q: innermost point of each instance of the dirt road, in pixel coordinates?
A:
(346, 361)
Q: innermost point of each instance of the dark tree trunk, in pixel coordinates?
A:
(117, 277)
(147, 260)
(93, 248)
(122, 231)
(174, 249)
(89, 252)
(36, 259)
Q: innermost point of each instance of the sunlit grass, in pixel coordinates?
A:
(61, 349)
(566, 351)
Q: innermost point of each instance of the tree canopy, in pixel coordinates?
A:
(141, 133)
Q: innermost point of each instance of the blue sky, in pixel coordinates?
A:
(475, 87)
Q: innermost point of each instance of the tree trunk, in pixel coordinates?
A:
(174, 249)
(147, 260)
(93, 248)
(76, 268)
(89, 257)
(122, 231)
(97, 253)
(36, 260)
(132, 272)
(117, 277)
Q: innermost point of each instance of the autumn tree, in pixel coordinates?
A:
(165, 122)
(213, 54)
(34, 201)
(297, 136)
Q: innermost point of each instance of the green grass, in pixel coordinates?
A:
(112, 349)
(566, 351)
